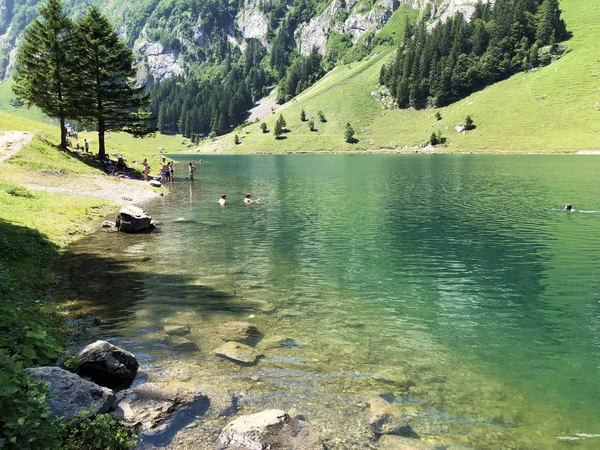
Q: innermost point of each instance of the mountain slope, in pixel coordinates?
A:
(556, 108)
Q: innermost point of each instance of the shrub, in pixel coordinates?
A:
(236, 140)
(100, 432)
(321, 116)
(469, 125)
(263, 127)
(311, 125)
(438, 116)
(303, 116)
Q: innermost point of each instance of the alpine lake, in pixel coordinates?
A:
(453, 287)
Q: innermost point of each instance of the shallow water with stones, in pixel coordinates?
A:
(451, 285)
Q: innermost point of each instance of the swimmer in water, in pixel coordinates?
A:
(223, 200)
(568, 207)
(248, 199)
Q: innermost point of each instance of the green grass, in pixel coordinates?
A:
(7, 99)
(553, 109)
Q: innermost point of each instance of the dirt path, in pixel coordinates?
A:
(11, 142)
(263, 108)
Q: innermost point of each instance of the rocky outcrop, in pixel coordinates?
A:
(71, 395)
(236, 352)
(252, 22)
(107, 364)
(144, 406)
(358, 24)
(132, 219)
(271, 429)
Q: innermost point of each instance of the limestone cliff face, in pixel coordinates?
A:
(159, 64)
(252, 22)
(362, 19)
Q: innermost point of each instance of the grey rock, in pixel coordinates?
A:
(177, 330)
(144, 406)
(108, 224)
(71, 394)
(238, 331)
(253, 23)
(271, 429)
(155, 183)
(237, 352)
(181, 344)
(107, 364)
(132, 219)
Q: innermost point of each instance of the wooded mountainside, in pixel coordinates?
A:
(206, 62)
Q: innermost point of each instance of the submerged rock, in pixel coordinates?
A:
(270, 429)
(181, 344)
(237, 352)
(107, 364)
(177, 330)
(278, 342)
(71, 395)
(239, 332)
(388, 419)
(144, 406)
(389, 442)
(132, 219)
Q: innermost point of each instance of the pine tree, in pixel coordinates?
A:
(263, 127)
(111, 102)
(303, 116)
(311, 125)
(282, 122)
(349, 133)
(321, 116)
(469, 123)
(236, 140)
(44, 73)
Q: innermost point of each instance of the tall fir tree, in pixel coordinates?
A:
(46, 67)
(110, 100)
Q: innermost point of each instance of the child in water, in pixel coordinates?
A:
(223, 200)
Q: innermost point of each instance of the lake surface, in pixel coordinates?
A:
(453, 286)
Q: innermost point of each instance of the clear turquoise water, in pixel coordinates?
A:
(454, 286)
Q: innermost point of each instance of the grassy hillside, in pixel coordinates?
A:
(556, 108)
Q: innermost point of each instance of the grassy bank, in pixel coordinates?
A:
(556, 108)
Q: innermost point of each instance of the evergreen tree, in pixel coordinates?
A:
(278, 129)
(263, 127)
(303, 116)
(311, 125)
(550, 27)
(45, 69)
(282, 122)
(469, 123)
(236, 140)
(321, 116)
(349, 133)
(110, 100)
(433, 139)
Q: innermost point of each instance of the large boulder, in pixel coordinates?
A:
(239, 332)
(71, 394)
(271, 429)
(107, 364)
(238, 353)
(132, 219)
(142, 407)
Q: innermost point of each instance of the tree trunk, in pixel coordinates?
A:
(101, 149)
(63, 134)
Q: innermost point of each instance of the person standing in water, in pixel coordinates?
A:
(569, 207)
(192, 169)
(223, 200)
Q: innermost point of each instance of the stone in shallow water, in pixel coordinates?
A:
(388, 419)
(177, 330)
(389, 442)
(107, 364)
(145, 405)
(237, 352)
(239, 331)
(270, 429)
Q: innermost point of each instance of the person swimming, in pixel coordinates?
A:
(569, 207)
(248, 199)
(223, 200)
